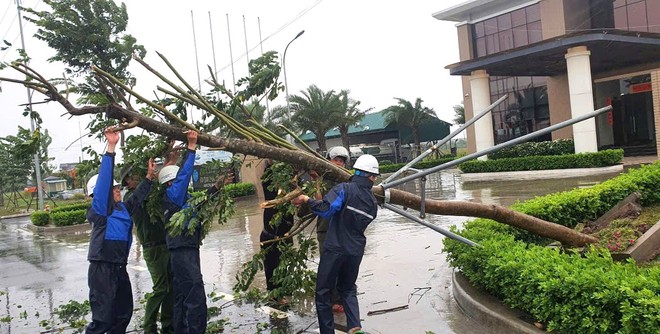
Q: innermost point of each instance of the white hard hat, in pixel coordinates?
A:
(91, 184)
(168, 173)
(338, 151)
(367, 163)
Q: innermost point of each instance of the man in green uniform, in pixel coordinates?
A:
(156, 255)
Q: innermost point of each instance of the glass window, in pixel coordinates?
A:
(637, 17)
(524, 82)
(621, 18)
(504, 22)
(519, 36)
(619, 3)
(508, 31)
(479, 29)
(492, 45)
(534, 33)
(506, 39)
(481, 47)
(533, 13)
(518, 17)
(653, 6)
(490, 26)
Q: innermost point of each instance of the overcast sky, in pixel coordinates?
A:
(378, 50)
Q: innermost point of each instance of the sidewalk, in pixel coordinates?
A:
(636, 161)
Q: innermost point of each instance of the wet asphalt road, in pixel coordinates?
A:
(403, 265)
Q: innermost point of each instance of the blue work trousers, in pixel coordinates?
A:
(189, 297)
(110, 298)
(340, 271)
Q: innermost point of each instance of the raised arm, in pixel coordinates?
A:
(102, 202)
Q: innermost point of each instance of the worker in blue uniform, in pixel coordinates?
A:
(190, 310)
(110, 294)
(351, 207)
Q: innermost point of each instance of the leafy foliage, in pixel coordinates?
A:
(67, 218)
(391, 168)
(292, 277)
(569, 292)
(203, 206)
(16, 157)
(580, 160)
(555, 147)
(411, 115)
(459, 114)
(40, 218)
(85, 33)
(71, 315)
(313, 111)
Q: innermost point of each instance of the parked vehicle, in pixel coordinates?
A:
(69, 193)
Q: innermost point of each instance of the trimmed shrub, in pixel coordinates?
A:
(569, 292)
(40, 218)
(580, 160)
(72, 207)
(556, 147)
(240, 189)
(420, 165)
(67, 218)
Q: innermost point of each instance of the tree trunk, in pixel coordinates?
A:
(320, 138)
(345, 140)
(452, 208)
(418, 145)
(324, 167)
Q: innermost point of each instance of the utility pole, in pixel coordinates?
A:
(37, 167)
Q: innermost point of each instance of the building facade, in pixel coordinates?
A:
(558, 59)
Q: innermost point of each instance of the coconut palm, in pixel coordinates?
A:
(315, 110)
(407, 114)
(348, 115)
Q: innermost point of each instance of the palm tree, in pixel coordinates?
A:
(459, 114)
(348, 115)
(315, 110)
(407, 114)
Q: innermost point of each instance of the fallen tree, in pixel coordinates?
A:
(255, 139)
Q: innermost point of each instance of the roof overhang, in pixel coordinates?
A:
(478, 10)
(610, 50)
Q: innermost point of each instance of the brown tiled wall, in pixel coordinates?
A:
(655, 82)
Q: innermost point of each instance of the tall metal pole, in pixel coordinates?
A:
(37, 167)
(286, 84)
(261, 45)
(231, 56)
(199, 78)
(247, 54)
(498, 147)
(215, 66)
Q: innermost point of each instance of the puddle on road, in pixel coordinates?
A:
(401, 261)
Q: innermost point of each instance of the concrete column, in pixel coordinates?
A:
(582, 98)
(480, 95)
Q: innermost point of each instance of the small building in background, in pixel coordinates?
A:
(373, 136)
(54, 185)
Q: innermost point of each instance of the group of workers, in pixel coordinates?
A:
(174, 261)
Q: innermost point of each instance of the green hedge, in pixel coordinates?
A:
(556, 147)
(580, 160)
(568, 292)
(240, 189)
(67, 218)
(72, 207)
(40, 218)
(391, 168)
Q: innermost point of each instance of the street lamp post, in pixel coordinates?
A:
(286, 84)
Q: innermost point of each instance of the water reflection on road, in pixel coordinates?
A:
(402, 258)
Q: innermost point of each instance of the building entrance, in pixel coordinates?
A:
(631, 124)
(633, 119)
